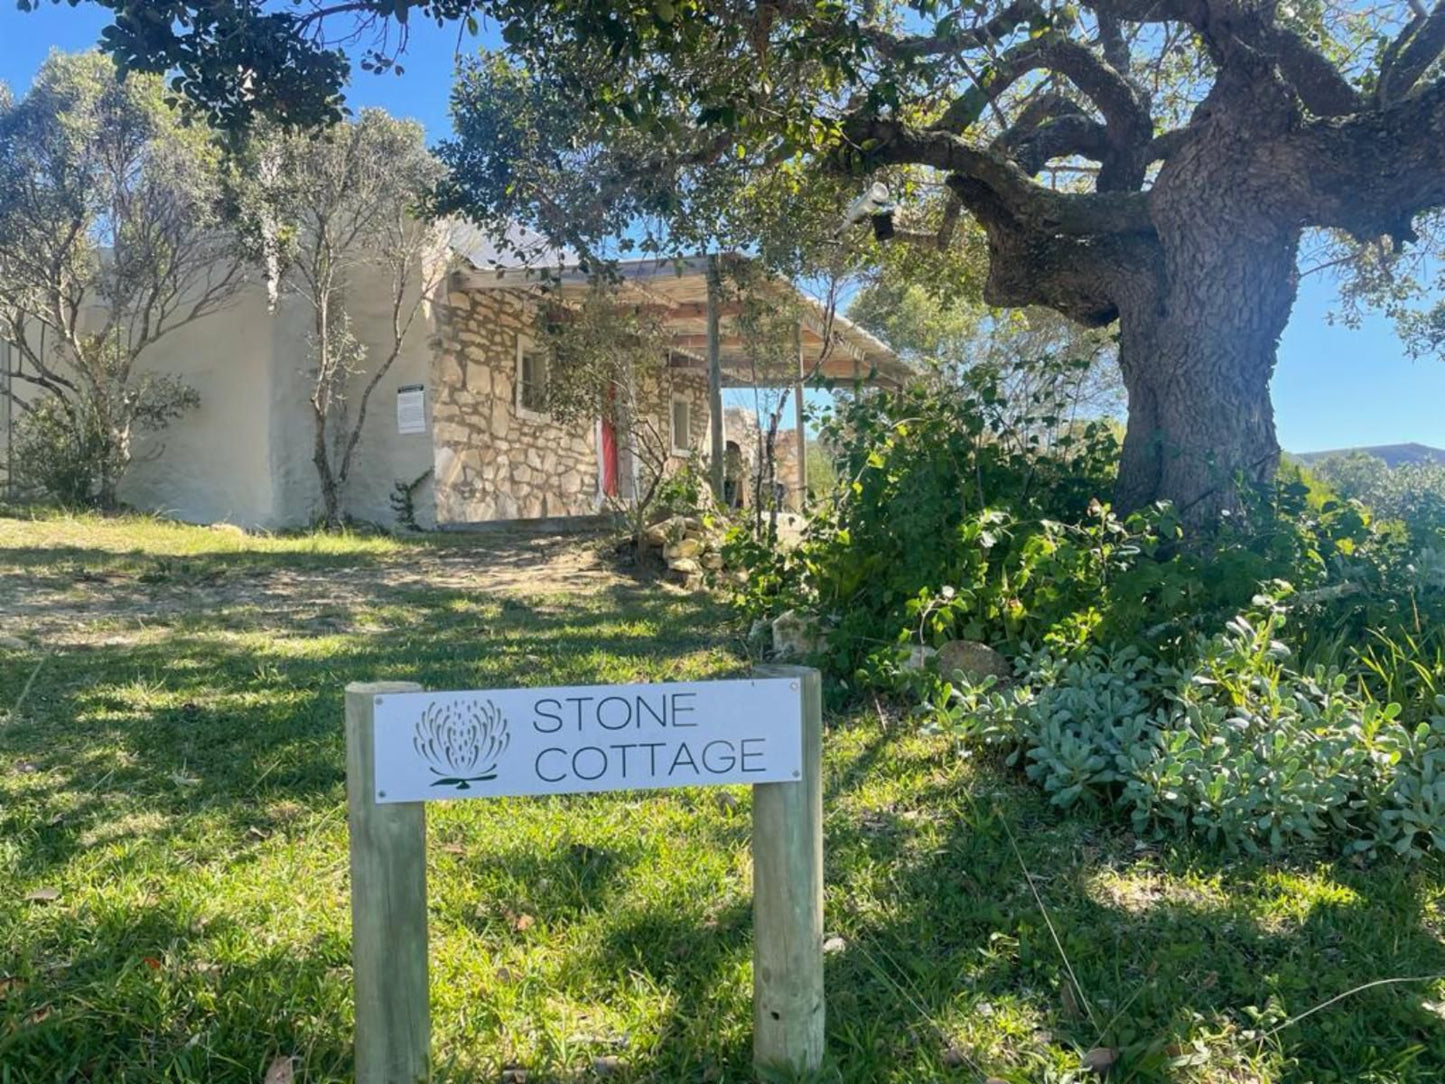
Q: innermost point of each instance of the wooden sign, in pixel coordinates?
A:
(590, 738)
(405, 747)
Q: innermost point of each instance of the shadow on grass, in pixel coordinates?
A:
(230, 1003)
(950, 969)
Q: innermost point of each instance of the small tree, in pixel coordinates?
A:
(610, 358)
(110, 240)
(326, 212)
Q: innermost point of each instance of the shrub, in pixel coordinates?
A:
(937, 488)
(1275, 682)
(68, 451)
(1240, 748)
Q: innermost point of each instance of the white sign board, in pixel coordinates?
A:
(411, 409)
(484, 744)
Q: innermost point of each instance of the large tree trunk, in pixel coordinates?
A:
(1197, 356)
(1198, 373)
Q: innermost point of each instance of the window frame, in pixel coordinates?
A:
(685, 448)
(524, 348)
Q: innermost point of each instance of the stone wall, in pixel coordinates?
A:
(494, 463)
(740, 426)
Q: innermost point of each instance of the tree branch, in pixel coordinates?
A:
(1319, 84)
(1411, 54)
(889, 142)
(1062, 137)
(918, 46)
(1371, 173)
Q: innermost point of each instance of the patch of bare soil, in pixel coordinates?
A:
(67, 604)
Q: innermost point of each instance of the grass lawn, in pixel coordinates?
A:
(173, 897)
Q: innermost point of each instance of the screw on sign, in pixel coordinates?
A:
(406, 747)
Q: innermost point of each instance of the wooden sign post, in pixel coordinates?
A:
(405, 747)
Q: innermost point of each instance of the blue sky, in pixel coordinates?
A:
(1334, 387)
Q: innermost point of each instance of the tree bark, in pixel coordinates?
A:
(1197, 368)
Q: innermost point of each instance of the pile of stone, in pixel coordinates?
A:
(688, 547)
(796, 635)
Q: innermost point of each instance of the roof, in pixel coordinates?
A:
(834, 348)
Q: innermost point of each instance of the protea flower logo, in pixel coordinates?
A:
(462, 741)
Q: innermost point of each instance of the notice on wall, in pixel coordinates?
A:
(411, 408)
(582, 739)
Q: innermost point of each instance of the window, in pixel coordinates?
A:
(681, 425)
(531, 382)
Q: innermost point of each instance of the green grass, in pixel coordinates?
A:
(174, 772)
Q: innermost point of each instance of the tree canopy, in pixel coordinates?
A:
(1154, 163)
(111, 238)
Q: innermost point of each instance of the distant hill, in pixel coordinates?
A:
(1393, 454)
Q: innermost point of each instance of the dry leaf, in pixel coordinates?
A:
(43, 895)
(953, 1057)
(40, 1015)
(521, 923)
(282, 1071)
(1100, 1058)
(834, 945)
(258, 833)
(512, 1075)
(151, 962)
(453, 848)
(8, 983)
(726, 802)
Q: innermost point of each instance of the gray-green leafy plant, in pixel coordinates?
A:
(1239, 746)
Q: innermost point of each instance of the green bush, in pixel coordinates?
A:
(1411, 494)
(1315, 718)
(939, 490)
(61, 448)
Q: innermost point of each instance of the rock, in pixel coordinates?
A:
(918, 657)
(712, 561)
(760, 635)
(834, 945)
(229, 528)
(1099, 1059)
(795, 634)
(683, 566)
(974, 660)
(683, 548)
(501, 417)
(656, 535)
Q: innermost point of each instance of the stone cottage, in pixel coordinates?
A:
(460, 418)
